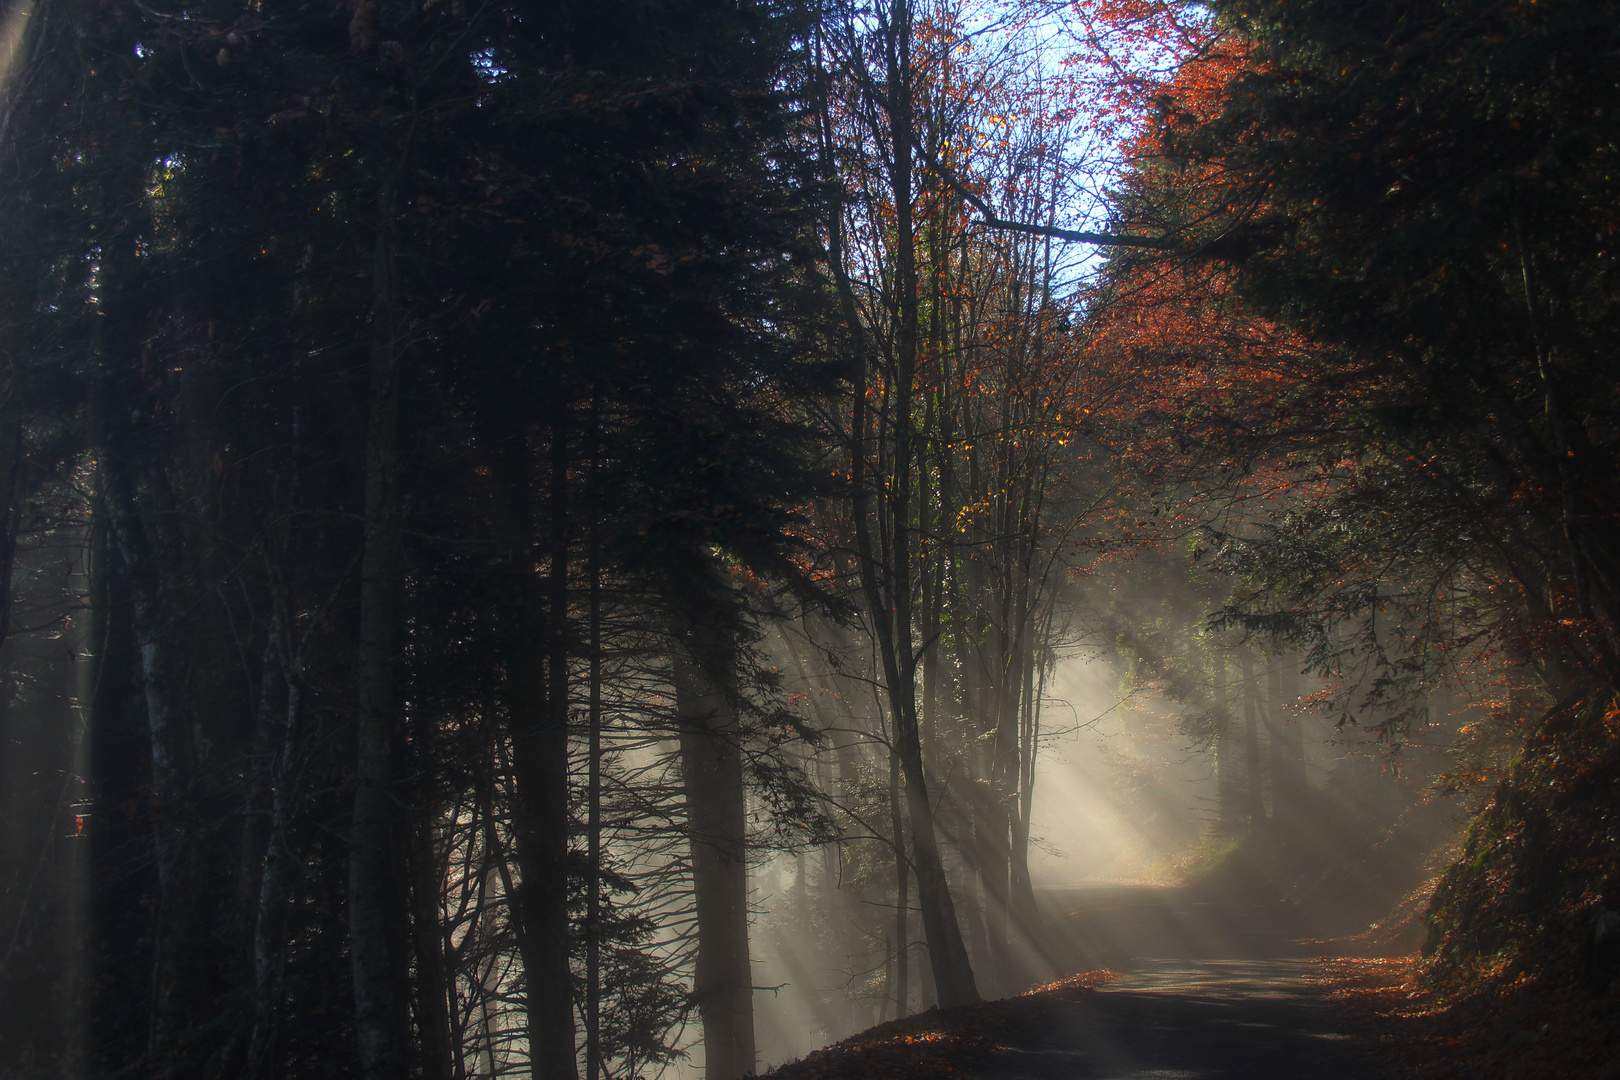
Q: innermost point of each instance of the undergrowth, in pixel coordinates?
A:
(1512, 983)
(1197, 861)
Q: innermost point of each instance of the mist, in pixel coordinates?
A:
(624, 540)
(1126, 825)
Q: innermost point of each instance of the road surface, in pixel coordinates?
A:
(1206, 992)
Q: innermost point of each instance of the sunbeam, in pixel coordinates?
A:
(14, 24)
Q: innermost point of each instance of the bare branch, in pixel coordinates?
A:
(994, 221)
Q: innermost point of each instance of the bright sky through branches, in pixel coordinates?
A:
(1077, 81)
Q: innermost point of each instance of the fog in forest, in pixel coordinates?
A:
(1126, 795)
(1120, 791)
(639, 539)
(1141, 782)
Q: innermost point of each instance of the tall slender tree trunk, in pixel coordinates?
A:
(151, 556)
(561, 1060)
(173, 765)
(705, 660)
(377, 916)
(72, 1018)
(932, 562)
(899, 989)
(494, 859)
(283, 660)
(536, 702)
(593, 780)
(995, 841)
(282, 758)
(1007, 936)
(891, 614)
(434, 991)
(120, 778)
(851, 891)
(964, 800)
(995, 871)
(953, 975)
(1025, 916)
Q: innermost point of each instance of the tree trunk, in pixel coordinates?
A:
(851, 889)
(995, 869)
(995, 824)
(593, 781)
(1006, 770)
(284, 659)
(1025, 916)
(121, 888)
(952, 972)
(377, 916)
(705, 660)
(151, 562)
(536, 692)
(899, 989)
(953, 975)
(434, 991)
(891, 617)
(173, 762)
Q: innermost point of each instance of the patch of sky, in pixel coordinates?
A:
(488, 68)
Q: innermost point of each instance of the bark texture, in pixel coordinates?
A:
(705, 662)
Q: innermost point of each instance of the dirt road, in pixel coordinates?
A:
(1206, 991)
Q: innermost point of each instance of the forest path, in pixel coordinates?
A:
(1207, 990)
(1191, 1020)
